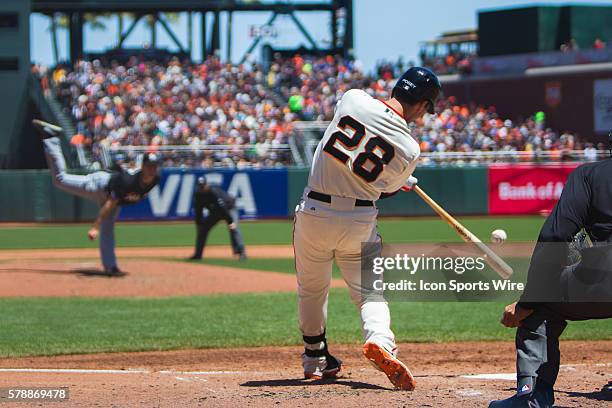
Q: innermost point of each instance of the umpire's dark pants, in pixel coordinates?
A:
(537, 339)
(206, 226)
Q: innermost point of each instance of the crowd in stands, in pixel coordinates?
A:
(452, 63)
(251, 113)
(178, 103)
(470, 128)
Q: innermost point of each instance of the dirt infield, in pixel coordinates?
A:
(255, 376)
(76, 272)
(272, 377)
(145, 278)
(218, 251)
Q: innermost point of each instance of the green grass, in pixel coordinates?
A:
(48, 326)
(283, 265)
(269, 232)
(286, 265)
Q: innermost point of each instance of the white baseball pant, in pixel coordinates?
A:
(327, 231)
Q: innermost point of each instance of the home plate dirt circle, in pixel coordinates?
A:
(271, 376)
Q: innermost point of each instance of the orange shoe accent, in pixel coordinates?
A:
(399, 375)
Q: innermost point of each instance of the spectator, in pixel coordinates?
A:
(599, 44)
(148, 104)
(239, 116)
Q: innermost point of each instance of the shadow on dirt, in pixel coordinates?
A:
(594, 395)
(289, 382)
(88, 272)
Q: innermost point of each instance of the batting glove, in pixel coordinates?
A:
(410, 183)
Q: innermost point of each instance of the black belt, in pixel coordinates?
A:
(326, 198)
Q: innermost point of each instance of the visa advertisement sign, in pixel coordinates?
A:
(259, 194)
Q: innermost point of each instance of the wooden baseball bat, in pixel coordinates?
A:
(499, 265)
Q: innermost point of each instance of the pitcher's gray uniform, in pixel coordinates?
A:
(367, 152)
(120, 188)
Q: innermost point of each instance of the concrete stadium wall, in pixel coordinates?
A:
(555, 94)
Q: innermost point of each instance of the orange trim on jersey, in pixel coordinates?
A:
(392, 108)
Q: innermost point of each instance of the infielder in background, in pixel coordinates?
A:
(219, 205)
(367, 153)
(556, 292)
(109, 190)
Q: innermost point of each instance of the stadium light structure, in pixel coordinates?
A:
(341, 15)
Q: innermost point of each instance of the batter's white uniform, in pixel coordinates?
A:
(366, 150)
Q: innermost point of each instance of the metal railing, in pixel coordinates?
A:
(308, 134)
(183, 154)
(514, 156)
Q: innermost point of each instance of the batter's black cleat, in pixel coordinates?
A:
(317, 368)
(194, 258)
(541, 397)
(114, 272)
(46, 130)
(607, 389)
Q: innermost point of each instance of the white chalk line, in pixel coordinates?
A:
(70, 370)
(512, 376)
(488, 376)
(496, 376)
(129, 371)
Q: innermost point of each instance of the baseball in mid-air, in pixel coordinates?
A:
(499, 236)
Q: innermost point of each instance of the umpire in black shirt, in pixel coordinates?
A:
(220, 206)
(561, 287)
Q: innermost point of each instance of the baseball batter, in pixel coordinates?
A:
(367, 153)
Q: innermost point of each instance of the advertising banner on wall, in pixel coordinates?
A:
(602, 105)
(259, 194)
(526, 189)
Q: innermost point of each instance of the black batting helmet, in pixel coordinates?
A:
(416, 85)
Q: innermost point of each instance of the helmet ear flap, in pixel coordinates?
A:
(430, 107)
(418, 84)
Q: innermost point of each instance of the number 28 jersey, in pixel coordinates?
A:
(366, 150)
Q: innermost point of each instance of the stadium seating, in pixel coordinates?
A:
(239, 115)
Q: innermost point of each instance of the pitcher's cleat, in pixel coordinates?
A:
(317, 368)
(46, 129)
(397, 372)
(114, 272)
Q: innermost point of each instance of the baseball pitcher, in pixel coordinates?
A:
(367, 153)
(109, 190)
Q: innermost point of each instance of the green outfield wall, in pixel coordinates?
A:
(29, 195)
(458, 190)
